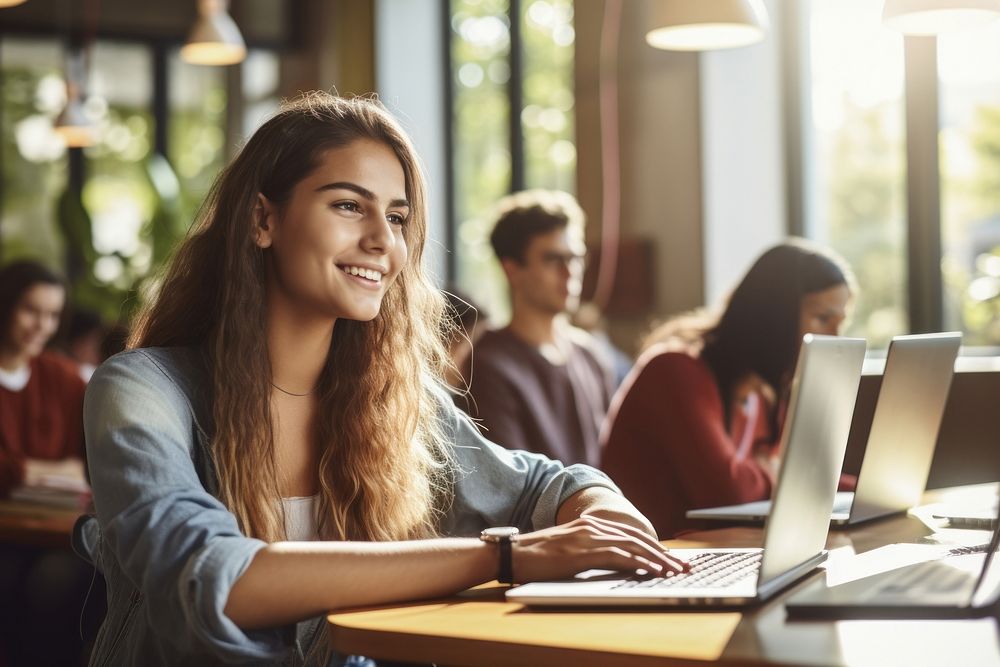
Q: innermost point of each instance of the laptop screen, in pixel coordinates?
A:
(814, 440)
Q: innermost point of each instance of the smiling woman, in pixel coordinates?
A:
(277, 442)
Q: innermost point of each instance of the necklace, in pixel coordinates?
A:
(291, 393)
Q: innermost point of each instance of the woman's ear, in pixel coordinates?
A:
(263, 219)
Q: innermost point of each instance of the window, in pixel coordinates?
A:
(510, 60)
(857, 198)
(856, 201)
(35, 168)
(969, 88)
(109, 214)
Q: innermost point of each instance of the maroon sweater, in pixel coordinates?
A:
(667, 446)
(42, 421)
(526, 402)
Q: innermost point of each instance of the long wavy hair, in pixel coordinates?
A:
(758, 329)
(385, 472)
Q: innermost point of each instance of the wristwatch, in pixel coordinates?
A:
(502, 536)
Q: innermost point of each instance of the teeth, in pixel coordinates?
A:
(370, 274)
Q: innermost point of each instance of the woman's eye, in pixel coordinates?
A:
(346, 205)
(396, 219)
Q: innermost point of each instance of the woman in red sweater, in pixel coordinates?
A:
(697, 421)
(41, 420)
(41, 393)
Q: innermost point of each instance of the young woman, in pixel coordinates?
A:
(41, 425)
(276, 443)
(697, 421)
(41, 393)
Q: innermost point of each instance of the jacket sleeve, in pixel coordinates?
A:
(500, 487)
(176, 543)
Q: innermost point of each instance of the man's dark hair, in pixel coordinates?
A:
(524, 215)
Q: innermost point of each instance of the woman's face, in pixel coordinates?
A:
(338, 243)
(35, 318)
(824, 312)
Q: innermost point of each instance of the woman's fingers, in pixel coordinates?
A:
(618, 558)
(653, 549)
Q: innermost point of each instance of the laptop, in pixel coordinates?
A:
(823, 392)
(929, 581)
(901, 441)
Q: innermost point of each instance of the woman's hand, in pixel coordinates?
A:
(586, 543)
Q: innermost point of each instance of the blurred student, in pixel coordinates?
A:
(698, 420)
(84, 339)
(539, 383)
(41, 392)
(276, 442)
(41, 423)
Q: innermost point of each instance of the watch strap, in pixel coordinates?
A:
(506, 561)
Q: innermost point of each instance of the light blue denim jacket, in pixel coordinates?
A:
(171, 551)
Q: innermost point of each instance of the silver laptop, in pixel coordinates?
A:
(904, 430)
(929, 581)
(824, 389)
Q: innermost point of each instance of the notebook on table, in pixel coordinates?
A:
(959, 582)
(901, 441)
(823, 392)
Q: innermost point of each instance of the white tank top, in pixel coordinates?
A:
(300, 518)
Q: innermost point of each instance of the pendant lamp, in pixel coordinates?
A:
(933, 17)
(700, 25)
(215, 38)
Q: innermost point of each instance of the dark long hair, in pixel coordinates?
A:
(15, 279)
(758, 330)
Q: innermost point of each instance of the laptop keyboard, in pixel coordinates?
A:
(930, 577)
(925, 578)
(709, 569)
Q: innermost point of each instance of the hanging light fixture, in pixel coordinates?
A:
(933, 17)
(11, 3)
(699, 25)
(72, 123)
(215, 38)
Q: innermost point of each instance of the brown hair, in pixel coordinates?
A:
(384, 468)
(522, 216)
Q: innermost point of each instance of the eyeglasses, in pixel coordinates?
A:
(560, 260)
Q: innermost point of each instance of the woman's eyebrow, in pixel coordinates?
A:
(361, 190)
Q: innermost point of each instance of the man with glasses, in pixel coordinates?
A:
(539, 384)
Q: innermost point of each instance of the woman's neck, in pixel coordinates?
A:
(11, 360)
(297, 348)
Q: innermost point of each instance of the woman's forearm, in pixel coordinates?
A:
(291, 581)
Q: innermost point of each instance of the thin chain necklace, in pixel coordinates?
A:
(291, 393)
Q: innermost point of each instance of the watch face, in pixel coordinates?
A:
(501, 532)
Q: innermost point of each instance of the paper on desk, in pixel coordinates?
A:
(60, 483)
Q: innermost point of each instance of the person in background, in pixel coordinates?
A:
(277, 441)
(589, 318)
(41, 425)
(467, 323)
(540, 384)
(41, 392)
(84, 338)
(697, 422)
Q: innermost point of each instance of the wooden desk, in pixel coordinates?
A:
(479, 629)
(36, 525)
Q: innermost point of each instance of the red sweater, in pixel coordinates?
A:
(667, 447)
(42, 421)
